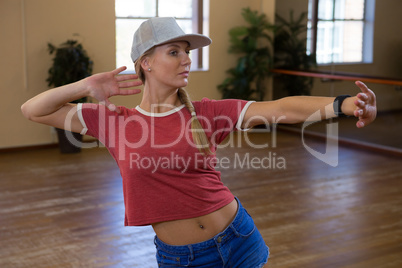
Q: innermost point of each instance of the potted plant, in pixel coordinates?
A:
(71, 63)
(253, 43)
(290, 54)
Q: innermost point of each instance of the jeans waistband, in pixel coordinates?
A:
(220, 238)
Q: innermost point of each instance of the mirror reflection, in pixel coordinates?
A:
(356, 38)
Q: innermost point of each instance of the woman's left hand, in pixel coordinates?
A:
(366, 109)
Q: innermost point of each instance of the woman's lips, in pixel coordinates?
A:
(185, 74)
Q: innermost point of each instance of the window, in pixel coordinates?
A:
(341, 31)
(190, 15)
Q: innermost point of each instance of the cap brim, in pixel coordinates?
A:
(195, 40)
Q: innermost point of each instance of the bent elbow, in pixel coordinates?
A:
(26, 111)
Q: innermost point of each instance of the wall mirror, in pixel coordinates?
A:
(385, 63)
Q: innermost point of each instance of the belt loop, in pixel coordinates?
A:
(234, 230)
(190, 248)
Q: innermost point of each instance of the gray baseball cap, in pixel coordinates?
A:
(161, 30)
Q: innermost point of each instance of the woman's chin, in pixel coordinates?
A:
(184, 83)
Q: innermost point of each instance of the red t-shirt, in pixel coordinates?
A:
(165, 177)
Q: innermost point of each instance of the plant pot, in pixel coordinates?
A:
(65, 146)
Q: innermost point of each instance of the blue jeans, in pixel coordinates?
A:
(239, 245)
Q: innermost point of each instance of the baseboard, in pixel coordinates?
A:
(29, 147)
(85, 139)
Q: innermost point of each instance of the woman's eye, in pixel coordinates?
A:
(175, 52)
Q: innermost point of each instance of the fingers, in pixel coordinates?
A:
(125, 77)
(361, 106)
(363, 122)
(365, 105)
(363, 96)
(359, 103)
(366, 92)
(125, 81)
(362, 86)
(119, 70)
(130, 84)
(129, 92)
(358, 113)
(360, 124)
(364, 100)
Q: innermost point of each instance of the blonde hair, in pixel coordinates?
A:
(198, 133)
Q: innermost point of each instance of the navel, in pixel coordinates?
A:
(201, 225)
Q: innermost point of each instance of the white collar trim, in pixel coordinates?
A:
(139, 109)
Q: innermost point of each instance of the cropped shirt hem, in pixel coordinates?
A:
(196, 214)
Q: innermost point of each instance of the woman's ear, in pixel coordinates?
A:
(145, 63)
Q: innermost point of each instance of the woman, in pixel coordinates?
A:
(165, 147)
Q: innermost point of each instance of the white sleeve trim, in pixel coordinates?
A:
(81, 118)
(241, 117)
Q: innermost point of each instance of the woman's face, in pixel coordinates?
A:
(170, 65)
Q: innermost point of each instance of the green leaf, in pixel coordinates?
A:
(71, 63)
(252, 44)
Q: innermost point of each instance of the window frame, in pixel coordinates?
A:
(368, 31)
(198, 18)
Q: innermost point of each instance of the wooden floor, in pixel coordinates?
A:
(385, 131)
(67, 210)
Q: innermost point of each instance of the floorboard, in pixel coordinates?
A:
(67, 210)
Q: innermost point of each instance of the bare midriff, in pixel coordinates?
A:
(196, 230)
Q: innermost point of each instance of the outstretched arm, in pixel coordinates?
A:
(52, 106)
(298, 109)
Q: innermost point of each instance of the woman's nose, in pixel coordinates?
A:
(187, 60)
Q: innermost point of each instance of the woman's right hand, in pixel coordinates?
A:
(52, 107)
(102, 86)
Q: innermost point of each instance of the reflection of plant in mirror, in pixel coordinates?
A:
(253, 42)
(290, 54)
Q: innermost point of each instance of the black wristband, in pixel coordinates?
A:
(338, 104)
